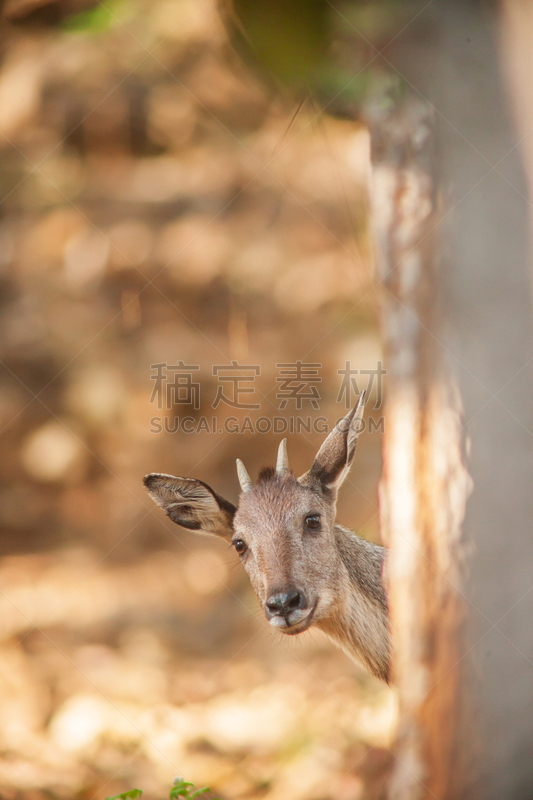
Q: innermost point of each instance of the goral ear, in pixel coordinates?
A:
(334, 459)
(192, 504)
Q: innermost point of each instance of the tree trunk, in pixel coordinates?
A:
(451, 212)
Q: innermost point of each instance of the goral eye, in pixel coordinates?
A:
(312, 522)
(239, 546)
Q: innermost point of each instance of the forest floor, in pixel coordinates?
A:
(158, 206)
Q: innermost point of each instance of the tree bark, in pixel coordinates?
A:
(451, 211)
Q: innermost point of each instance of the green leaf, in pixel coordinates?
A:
(96, 20)
(180, 788)
(288, 38)
(131, 795)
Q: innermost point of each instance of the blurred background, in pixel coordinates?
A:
(162, 205)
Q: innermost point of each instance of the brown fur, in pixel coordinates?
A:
(335, 578)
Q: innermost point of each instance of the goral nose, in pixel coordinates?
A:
(283, 603)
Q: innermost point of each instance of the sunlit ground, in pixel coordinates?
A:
(122, 686)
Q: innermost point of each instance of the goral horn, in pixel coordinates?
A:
(282, 464)
(244, 478)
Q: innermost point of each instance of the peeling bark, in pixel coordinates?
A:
(452, 247)
(425, 484)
